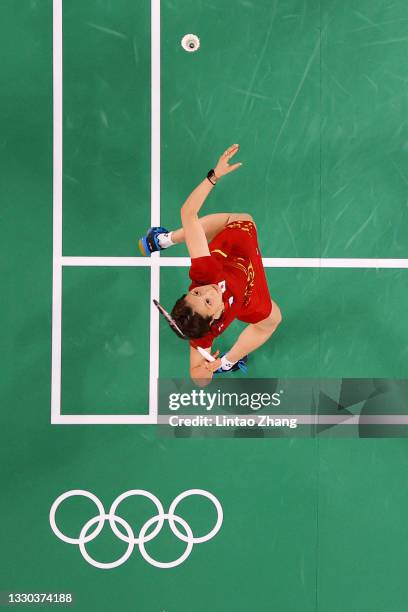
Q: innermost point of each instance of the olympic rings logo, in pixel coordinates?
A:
(87, 535)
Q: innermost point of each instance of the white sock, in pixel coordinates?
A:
(165, 240)
(226, 364)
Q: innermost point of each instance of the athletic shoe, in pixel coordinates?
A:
(239, 365)
(149, 244)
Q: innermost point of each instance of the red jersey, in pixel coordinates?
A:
(235, 265)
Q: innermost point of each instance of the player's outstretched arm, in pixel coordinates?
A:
(194, 234)
(251, 338)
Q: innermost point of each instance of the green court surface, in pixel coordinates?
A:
(105, 364)
(316, 95)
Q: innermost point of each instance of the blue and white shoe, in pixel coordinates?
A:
(149, 244)
(239, 365)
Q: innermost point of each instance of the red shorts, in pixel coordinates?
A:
(239, 239)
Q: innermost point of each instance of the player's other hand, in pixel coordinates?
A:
(211, 366)
(223, 166)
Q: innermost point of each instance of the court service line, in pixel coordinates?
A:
(105, 419)
(57, 214)
(305, 419)
(269, 262)
(155, 205)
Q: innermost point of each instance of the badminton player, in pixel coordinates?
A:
(227, 279)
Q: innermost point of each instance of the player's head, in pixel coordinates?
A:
(195, 311)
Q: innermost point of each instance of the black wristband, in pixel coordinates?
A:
(211, 177)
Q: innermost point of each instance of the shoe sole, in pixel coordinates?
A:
(142, 249)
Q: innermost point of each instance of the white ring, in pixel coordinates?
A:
(153, 498)
(164, 564)
(204, 493)
(130, 538)
(112, 564)
(63, 497)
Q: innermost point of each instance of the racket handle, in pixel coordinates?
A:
(205, 354)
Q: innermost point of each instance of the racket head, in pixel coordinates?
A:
(170, 320)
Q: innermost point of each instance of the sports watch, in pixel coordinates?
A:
(211, 177)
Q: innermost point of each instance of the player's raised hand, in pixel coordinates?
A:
(223, 166)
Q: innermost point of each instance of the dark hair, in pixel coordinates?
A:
(192, 324)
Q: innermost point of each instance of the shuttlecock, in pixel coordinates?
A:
(190, 43)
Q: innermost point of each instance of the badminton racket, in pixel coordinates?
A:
(170, 320)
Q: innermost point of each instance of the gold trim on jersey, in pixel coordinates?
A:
(250, 277)
(243, 224)
(220, 252)
(240, 262)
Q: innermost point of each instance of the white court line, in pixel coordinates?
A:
(332, 262)
(107, 261)
(268, 262)
(155, 205)
(105, 419)
(303, 419)
(310, 419)
(57, 213)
